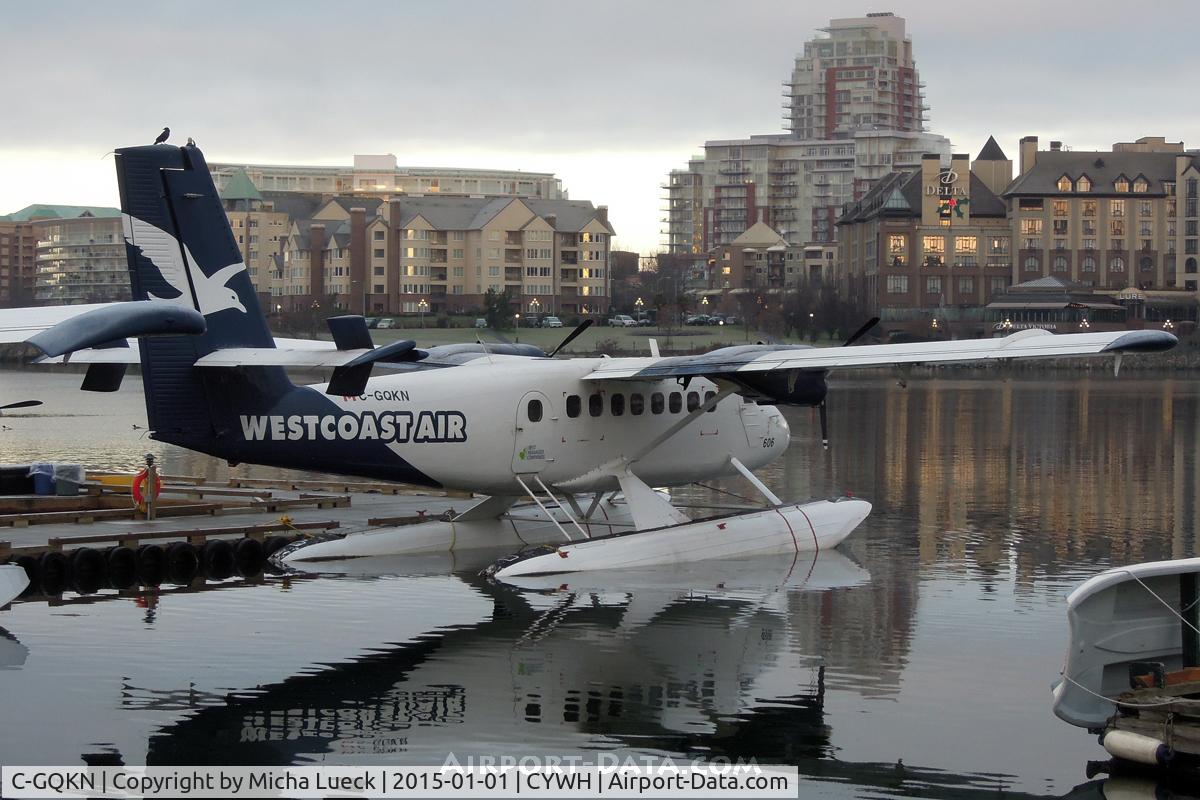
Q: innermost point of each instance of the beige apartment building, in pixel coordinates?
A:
(945, 244)
(18, 253)
(1125, 218)
(378, 175)
(415, 255)
(81, 259)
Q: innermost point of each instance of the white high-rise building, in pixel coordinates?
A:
(857, 76)
(856, 114)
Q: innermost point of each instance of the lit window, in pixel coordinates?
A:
(1064, 184)
(1083, 184)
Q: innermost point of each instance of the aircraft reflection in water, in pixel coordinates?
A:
(676, 663)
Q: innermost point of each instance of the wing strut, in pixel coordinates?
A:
(762, 487)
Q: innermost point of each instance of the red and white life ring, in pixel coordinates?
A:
(139, 483)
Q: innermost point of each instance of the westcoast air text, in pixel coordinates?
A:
(386, 426)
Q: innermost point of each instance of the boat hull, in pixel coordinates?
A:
(13, 581)
(786, 529)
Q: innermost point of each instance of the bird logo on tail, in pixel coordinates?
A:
(176, 265)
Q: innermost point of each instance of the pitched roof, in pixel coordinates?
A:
(1101, 168)
(240, 187)
(44, 211)
(991, 151)
(899, 195)
(760, 234)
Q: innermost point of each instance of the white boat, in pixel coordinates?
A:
(13, 581)
(783, 529)
(1118, 618)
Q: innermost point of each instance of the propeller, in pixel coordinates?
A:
(858, 334)
(21, 404)
(583, 326)
(821, 411)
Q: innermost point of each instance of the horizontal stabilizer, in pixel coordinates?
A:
(108, 323)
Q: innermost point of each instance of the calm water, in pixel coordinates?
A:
(915, 660)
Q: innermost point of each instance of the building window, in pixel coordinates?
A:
(1116, 227)
(1121, 184)
(1031, 227)
(1116, 264)
(966, 286)
(1189, 266)
(1088, 265)
(933, 285)
(999, 284)
(1084, 184)
(1089, 227)
(1032, 264)
(1089, 208)
(999, 245)
(1140, 185)
(965, 244)
(1064, 184)
(1060, 227)
(1116, 208)
(898, 284)
(1060, 208)
(1060, 264)
(1145, 208)
(1147, 264)
(897, 250)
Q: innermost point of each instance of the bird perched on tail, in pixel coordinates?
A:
(162, 137)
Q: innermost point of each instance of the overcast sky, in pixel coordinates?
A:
(609, 96)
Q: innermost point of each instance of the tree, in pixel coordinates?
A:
(497, 309)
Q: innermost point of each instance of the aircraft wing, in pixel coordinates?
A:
(18, 324)
(764, 358)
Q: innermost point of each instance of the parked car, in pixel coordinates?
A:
(551, 322)
(696, 319)
(644, 322)
(621, 321)
(386, 322)
(372, 322)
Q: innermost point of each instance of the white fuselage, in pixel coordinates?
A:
(477, 426)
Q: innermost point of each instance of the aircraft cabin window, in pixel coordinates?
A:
(656, 403)
(596, 404)
(675, 402)
(535, 410)
(693, 400)
(617, 404)
(709, 396)
(637, 403)
(574, 405)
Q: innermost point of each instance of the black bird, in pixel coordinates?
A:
(191, 142)
(162, 137)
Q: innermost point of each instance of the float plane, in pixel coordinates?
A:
(584, 438)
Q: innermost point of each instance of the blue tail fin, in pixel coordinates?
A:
(180, 249)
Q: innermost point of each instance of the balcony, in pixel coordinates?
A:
(569, 258)
(512, 239)
(512, 256)
(438, 256)
(437, 275)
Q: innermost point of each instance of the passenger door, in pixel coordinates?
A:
(535, 434)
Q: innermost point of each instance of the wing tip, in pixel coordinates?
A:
(1142, 342)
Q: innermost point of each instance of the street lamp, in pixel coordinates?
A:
(518, 316)
(422, 307)
(638, 303)
(534, 305)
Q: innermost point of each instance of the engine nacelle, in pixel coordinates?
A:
(782, 387)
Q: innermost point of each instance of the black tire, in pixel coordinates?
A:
(87, 570)
(182, 563)
(217, 558)
(273, 544)
(151, 564)
(249, 555)
(54, 570)
(122, 567)
(32, 571)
